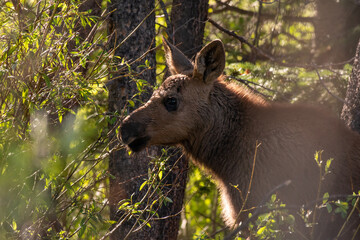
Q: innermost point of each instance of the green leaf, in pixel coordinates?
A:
(129, 152)
(14, 225)
(167, 199)
(261, 230)
(329, 207)
(328, 163)
(81, 231)
(155, 201)
(317, 157)
(123, 206)
(273, 198)
(325, 197)
(131, 103)
(112, 120)
(47, 80)
(24, 95)
(142, 185)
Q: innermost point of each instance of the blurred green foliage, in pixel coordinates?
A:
(53, 122)
(293, 84)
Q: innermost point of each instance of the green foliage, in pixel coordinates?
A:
(53, 125)
(275, 224)
(292, 40)
(292, 84)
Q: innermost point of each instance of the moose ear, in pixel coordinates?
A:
(177, 62)
(210, 62)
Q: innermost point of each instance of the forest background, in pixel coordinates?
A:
(70, 71)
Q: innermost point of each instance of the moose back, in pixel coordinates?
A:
(223, 127)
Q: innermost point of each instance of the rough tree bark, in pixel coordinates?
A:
(188, 22)
(130, 171)
(351, 110)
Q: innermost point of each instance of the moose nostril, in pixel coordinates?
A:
(126, 130)
(124, 133)
(129, 130)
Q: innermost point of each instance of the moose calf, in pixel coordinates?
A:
(218, 125)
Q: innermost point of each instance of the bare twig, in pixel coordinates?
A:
(246, 82)
(133, 31)
(321, 177)
(323, 84)
(272, 58)
(355, 233)
(275, 22)
(265, 16)
(257, 34)
(168, 22)
(257, 145)
(241, 39)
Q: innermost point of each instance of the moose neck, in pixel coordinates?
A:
(227, 119)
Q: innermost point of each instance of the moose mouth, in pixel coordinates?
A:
(138, 144)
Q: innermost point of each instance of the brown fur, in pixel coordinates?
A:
(218, 125)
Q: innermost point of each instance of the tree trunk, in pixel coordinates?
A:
(188, 21)
(351, 110)
(129, 172)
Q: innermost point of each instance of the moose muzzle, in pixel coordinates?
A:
(134, 135)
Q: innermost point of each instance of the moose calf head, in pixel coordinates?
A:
(176, 109)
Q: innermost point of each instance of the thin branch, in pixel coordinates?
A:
(133, 31)
(348, 218)
(278, 60)
(273, 30)
(265, 16)
(184, 24)
(257, 145)
(326, 88)
(241, 39)
(257, 34)
(246, 82)
(168, 22)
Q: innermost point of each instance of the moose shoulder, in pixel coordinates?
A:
(219, 124)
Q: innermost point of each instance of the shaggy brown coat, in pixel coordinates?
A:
(219, 124)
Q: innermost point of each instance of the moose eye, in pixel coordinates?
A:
(171, 104)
